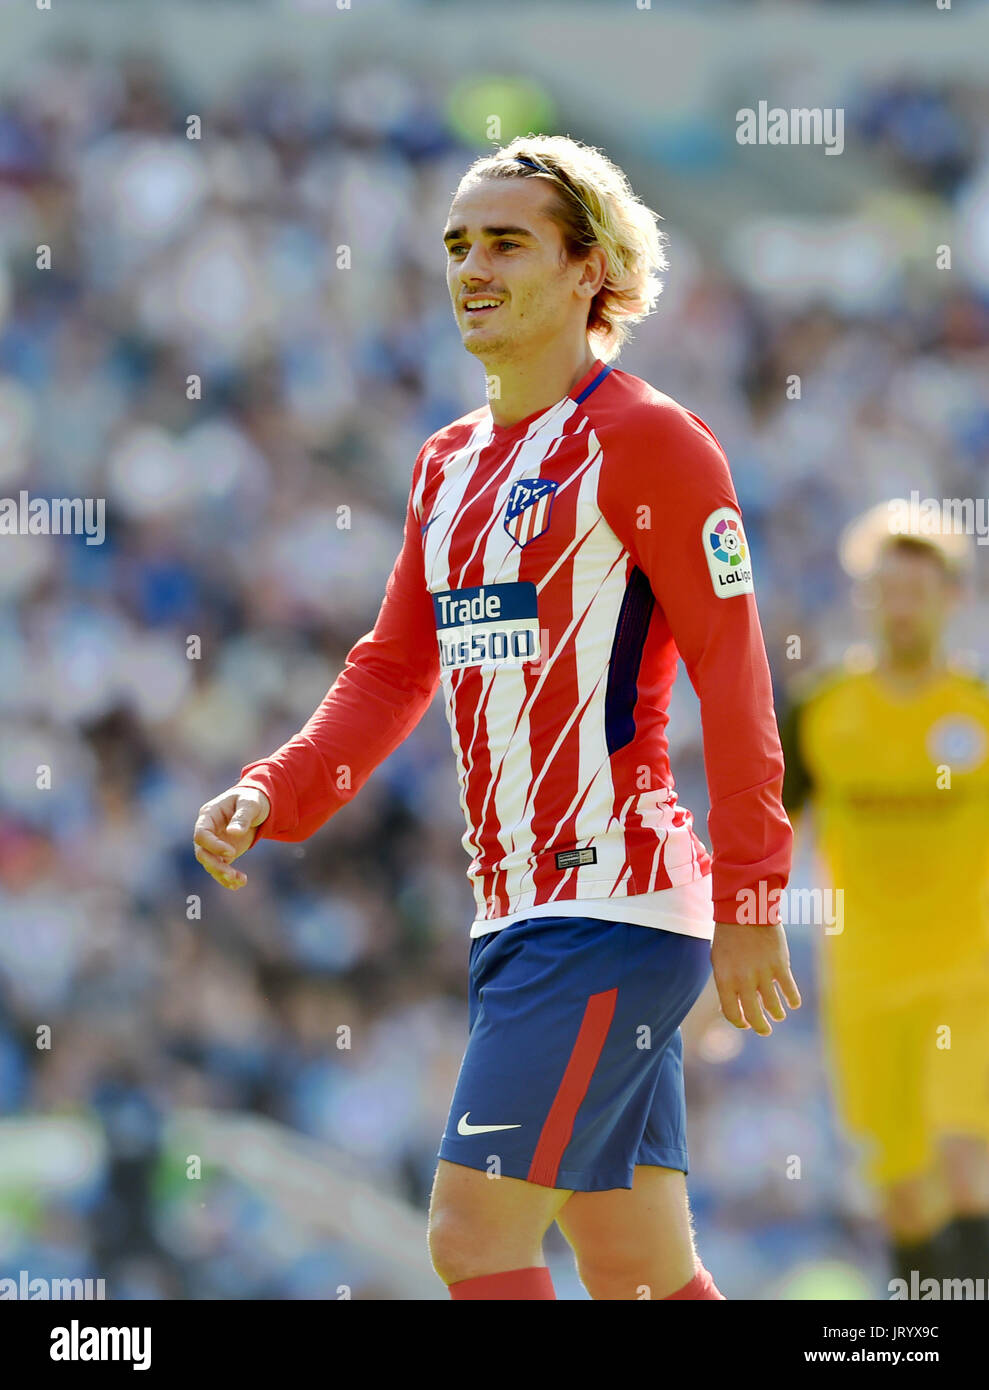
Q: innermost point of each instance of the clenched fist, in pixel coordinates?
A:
(226, 829)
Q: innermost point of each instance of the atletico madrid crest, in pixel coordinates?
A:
(529, 505)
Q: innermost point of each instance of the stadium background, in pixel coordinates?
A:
(219, 1037)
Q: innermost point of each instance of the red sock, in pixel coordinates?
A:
(701, 1286)
(520, 1284)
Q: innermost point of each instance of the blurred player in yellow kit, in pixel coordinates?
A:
(893, 756)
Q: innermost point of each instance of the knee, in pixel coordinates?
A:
(635, 1269)
(635, 1279)
(455, 1247)
(463, 1247)
(614, 1278)
(445, 1246)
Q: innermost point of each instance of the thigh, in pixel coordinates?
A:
(626, 1218)
(958, 1025)
(635, 1242)
(491, 1206)
(879, 1066)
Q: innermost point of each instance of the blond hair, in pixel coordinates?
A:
(594, 206)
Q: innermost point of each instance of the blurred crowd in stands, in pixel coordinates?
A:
(252, 517)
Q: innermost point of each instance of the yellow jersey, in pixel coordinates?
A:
(899, 785)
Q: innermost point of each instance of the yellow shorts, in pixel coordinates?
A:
(910, 1068)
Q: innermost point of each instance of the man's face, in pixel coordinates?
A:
(502, 246)
(914, 596)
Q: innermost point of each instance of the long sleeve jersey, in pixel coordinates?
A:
(551, 573)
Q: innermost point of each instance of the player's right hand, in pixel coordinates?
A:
(226, 828)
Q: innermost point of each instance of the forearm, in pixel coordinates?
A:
(751, 836)
(367, 712)
(384, 689)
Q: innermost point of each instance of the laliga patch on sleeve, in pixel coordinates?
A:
(727, 551)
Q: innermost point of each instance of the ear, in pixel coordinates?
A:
(594, 272)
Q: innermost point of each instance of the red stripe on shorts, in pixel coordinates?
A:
(558, 1127)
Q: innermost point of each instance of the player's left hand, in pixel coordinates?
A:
(751, 971)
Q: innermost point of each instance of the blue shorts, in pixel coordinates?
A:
(573, 1072)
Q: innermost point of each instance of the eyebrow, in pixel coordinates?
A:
(458, 233)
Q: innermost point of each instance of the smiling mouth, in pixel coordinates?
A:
(481, 309)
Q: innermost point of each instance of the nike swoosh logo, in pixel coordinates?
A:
(464, 1128)
(422, 532)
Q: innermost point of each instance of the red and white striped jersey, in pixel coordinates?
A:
(551, 572)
